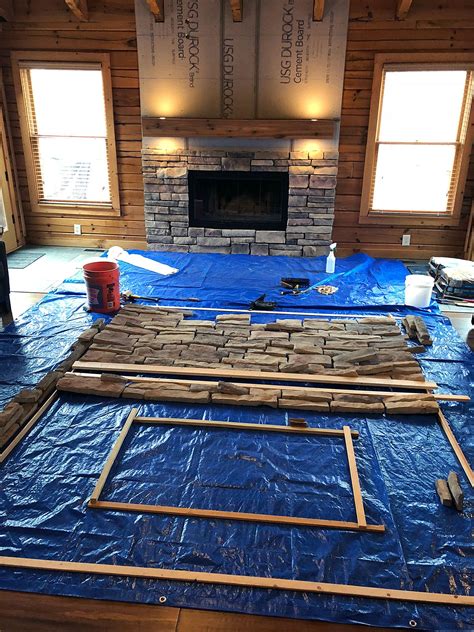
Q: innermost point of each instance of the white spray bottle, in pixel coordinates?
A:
(331, 259)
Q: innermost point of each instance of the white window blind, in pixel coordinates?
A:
(66, 114)
(419, 141)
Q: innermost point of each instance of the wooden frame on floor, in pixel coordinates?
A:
(346, 433)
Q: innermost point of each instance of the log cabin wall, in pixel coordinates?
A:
(442, 26)
(50, 26)
(447, 25)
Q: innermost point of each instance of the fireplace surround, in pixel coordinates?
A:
(302, 226)
(238, 199)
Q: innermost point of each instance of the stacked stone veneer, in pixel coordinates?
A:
(312, 183)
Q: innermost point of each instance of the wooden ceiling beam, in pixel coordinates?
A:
(79, 8)
(318, 10)
(157, 9)
(403, 6)
(237, 8)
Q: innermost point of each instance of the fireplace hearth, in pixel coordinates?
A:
(237, 199)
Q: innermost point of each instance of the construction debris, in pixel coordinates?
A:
(443, 492)
(456, 491)
(417, 330)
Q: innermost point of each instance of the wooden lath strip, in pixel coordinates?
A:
(237, 10)
(113, 455)
(270, 583)
(154, 369)
(232, 425)
(79, 9)
(442, 397)
(456, 448)
(355, 483)
(213, 514)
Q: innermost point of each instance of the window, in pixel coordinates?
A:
(418, 146)
(68, 134)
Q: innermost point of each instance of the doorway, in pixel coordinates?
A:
(7, 222)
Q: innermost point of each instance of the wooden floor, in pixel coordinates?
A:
(25, 612)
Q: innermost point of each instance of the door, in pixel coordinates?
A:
(6, 206)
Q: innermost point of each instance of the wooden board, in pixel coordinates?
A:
(468, 471)
(356, 491)
(254, 128)
(213, 514)
(239, 374)
(231, 425)
(447, 397)
(113, 455)
(270, 583)
(28, 612)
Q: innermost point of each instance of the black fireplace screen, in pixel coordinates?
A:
(238, 199)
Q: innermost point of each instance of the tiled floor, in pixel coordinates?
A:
(29, 285)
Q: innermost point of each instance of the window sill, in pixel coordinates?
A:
(408, 219)
(76, 209)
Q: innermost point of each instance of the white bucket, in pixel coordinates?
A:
(418, 289)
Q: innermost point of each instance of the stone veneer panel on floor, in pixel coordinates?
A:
(312, 183)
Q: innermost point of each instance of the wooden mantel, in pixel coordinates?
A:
(244, 128)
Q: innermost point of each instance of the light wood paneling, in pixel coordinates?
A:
(50, 25)
(444, 26)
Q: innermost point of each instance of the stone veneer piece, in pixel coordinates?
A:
(312, 183)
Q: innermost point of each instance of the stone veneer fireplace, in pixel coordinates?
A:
(303, 229)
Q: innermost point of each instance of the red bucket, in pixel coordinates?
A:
(102, 286)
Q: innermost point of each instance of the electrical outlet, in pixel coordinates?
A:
(77, 229)
(406, 240)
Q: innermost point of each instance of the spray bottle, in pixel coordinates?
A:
(331, 259)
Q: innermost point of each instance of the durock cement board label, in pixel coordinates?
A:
(276, 63)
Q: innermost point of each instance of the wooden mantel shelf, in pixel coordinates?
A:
(244, 128)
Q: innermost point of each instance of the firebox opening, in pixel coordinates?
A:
(238, 199)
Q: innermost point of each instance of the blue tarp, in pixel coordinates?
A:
(46, 482)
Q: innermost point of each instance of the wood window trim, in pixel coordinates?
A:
(412, 218)
(62, 208)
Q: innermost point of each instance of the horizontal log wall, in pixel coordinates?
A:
(49, 25)
(447, 25)
(442, 26)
